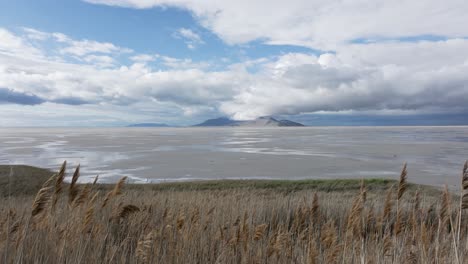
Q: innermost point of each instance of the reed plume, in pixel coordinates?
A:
(49, 182)
(315, 210)
(445, 209)
(88, 218)
(144, 247)
(118, 187)
(402, 184)
(387, 208)
(127, 210)
(463, 202)
(464, 187)
(116, 191)
(41, 201)
(73, 189)
(260, 231)
(96, 179)
(58, 184)
(83, 196)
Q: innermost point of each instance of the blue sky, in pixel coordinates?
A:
(146, 31)
(116, 62)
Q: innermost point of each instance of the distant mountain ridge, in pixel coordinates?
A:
(148, 125)
(220, 121)
(265, 121)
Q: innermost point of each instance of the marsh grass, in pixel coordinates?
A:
(307, 221)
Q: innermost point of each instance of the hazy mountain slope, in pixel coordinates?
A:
(259, 122)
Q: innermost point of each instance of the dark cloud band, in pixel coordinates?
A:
(9, 96)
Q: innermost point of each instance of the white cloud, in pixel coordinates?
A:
(192, 39)
(322, 24)
(84, 47)
(100, 60)
(389, 76)
(143, 58)
(70, 46)
(360, 78)
(15, 45)
(176, 63)
(35, 34)
(184, 84)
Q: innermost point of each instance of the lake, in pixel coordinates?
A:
(435, 155)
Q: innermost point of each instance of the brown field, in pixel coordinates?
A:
(308, 221)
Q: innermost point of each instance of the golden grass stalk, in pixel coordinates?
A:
(58, 184)
(416, 215)
(49, 182)
(464, 187)
(180, 221)
(446, 218)
(402, 184)
(116, 191)
(94, 198)
(387, 244)
(83, 196)
(260, 231)
(463, 202)
(127, 210)
(363, 191)
(445, 210)
(118, 187)
(88, 218)
(73, 189)
(144, 247)
(96, 179)
(387, 207)
(313, 253)
(41, 201)
(315, 211)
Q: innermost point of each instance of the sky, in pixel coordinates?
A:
(330, 62)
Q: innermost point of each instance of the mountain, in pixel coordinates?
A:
(268, 121)
(221, 121)
(148, 125)
(265, 121)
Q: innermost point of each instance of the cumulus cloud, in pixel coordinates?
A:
(143, 58)
(192, 39)
(81, 49)
(15, 45)
(84, 47)
(374, 82)
(322, 24)
(388, 76)
(100, 60)
(184, 83)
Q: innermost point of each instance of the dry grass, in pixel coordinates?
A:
(304, 222)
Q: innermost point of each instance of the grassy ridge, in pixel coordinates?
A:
(27, 180)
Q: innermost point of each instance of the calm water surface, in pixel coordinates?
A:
(435, 155)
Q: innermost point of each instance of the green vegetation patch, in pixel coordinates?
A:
(276, 185)
(27, 180)
(24, 180)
